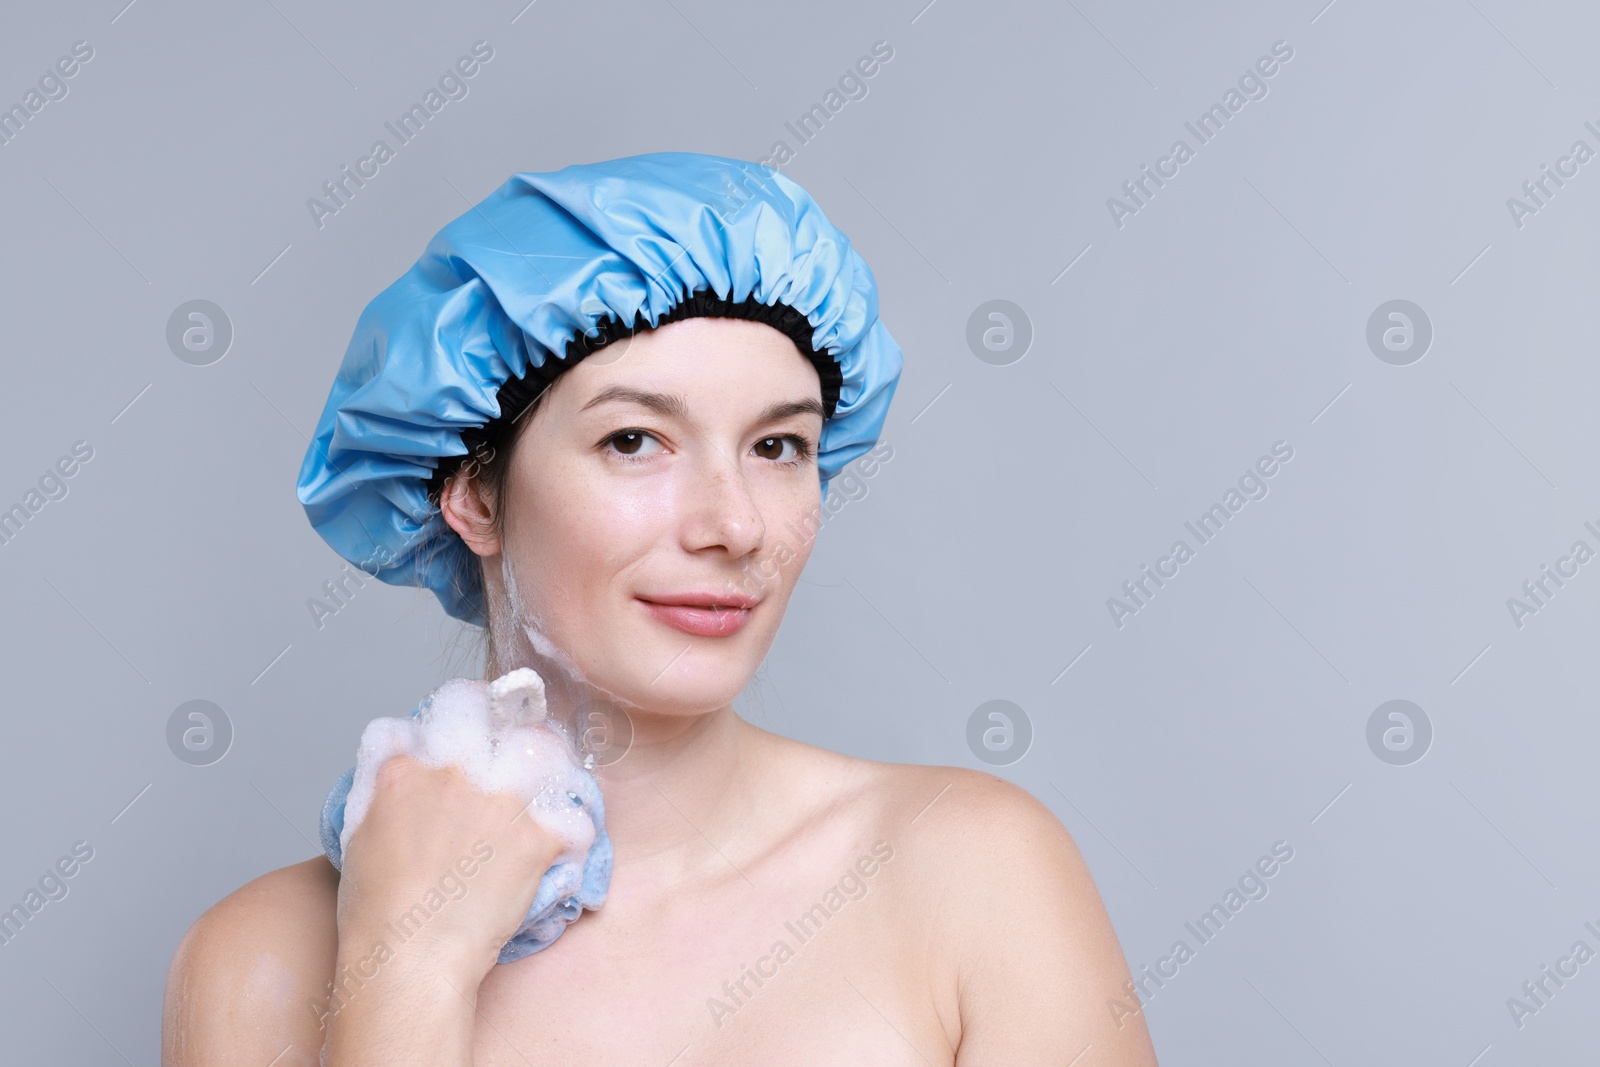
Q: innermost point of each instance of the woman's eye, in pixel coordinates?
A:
(632, 443)
(767, 445)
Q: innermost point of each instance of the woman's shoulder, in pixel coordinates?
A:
(957, 819)
(288, 912)
(964, 821)
(973, 847)
(956, 798)
(247, 977)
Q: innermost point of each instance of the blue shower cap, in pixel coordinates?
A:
(515, 287)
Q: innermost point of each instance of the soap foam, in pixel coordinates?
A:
(500, 735)
(520, 636)
(519, 620)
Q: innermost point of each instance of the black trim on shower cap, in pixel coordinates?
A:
(517, 393)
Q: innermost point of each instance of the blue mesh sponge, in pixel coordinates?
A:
(565, 890)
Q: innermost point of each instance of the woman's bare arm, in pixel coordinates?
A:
(1036, 958)
(248, 981)
(249, 984)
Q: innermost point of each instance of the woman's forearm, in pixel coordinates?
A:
(393, 1010)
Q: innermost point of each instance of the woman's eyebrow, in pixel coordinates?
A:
(669, 404)
(784, 408)
(674, 405)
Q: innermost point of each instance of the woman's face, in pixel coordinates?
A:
(676, 467)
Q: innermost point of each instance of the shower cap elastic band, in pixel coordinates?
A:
(549, 267)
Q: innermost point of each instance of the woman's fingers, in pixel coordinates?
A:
(445, 870)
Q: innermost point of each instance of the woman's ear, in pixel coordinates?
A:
(468, 507)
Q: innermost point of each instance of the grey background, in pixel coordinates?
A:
(1228, 314)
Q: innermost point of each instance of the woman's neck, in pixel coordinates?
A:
(678, 789)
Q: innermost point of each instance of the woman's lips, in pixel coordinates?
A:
(701, 622)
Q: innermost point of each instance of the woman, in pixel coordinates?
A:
(630, 518)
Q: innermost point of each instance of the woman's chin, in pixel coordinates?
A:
(653, 668)
(678, 681)
(689, 695)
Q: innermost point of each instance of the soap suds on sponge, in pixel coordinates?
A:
(501, 736)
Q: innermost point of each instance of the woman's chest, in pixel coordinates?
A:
(797, 973)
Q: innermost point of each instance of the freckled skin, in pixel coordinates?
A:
(982, 941)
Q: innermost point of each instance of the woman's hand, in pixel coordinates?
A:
(439, 872)
(436, 879)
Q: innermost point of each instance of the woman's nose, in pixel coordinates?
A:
(721, 510)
